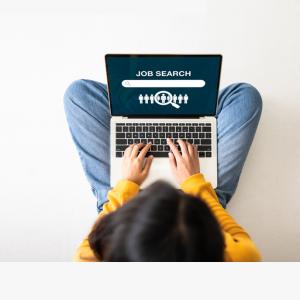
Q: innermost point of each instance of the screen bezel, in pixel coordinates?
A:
(164, 55)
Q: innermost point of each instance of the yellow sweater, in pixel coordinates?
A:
(238, 245)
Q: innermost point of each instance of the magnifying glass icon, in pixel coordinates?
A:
(165, 98)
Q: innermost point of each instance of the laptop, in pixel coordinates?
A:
(154, 97)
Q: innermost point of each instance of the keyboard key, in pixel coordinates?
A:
(132, 129)
(190, 141)
(150, 141)
(163, 141)
(168, 135)
(188, 135)
(153, 148)
(155, 135)
(118, 129)
(143, 141)
(181, 135)
(152, 129)
(158, 129)
(165, 129)
(201, 154)
(130, 141)
(125, 129)
(120, 135)
(172, 129)
(205, 142)
(137, 141)
(120, 124)
(206, 129)
(208, 154)
(128, 135)
(160, 148)
(145, 129)
(195, 135)
(135, 135)
(160, 154)
(196, 142)
(157, 141)
(175, 135)
(201, 135)
(191, 129)
(149, 135)
(162, 135)
(185, 129)
(167, 148)
(142, 135)
(121, 141)
(178, 129)
(118, 154)
(121, 147)
(198, 129)
(138, 128)
(204, 148)
(208, 135)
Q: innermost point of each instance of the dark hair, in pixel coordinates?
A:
(159, 224)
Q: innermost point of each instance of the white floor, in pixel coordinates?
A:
(46, 206)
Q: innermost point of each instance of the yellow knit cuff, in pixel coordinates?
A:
(192, 184)
(127, 187)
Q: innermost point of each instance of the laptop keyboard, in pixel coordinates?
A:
(157, 133)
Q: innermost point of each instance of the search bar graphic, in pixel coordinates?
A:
(151, 83)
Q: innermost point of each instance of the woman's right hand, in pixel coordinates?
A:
(135, 164)
(185, 165)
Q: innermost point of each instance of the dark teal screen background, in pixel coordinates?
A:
(201, 102)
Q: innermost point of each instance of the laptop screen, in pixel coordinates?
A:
(163, 85)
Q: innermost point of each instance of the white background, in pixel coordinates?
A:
(46, 206)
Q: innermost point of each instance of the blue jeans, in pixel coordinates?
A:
(87, 111)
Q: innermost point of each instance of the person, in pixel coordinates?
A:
(161, 223)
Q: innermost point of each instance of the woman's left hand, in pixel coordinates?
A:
(134, 168)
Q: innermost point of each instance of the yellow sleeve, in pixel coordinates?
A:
(117, 197)
(238, 244)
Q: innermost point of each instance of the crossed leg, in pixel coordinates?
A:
(87, 111)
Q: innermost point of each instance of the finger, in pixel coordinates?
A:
(136, 149)
(183, 147)
(174, 149)
(147, 165)
(144, 151)
(128, 150)
(195, 151)
(191, 149)
(172, 161)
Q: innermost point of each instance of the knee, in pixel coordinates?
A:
(73, 93)
(251, 96)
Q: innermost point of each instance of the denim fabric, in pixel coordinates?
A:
(87, 111)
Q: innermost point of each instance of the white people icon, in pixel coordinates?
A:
(164, 98)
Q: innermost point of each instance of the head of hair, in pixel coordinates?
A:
(160, 224)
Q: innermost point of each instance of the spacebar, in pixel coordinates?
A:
(158, 154)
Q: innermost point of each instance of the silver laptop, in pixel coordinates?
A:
(155, 97)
